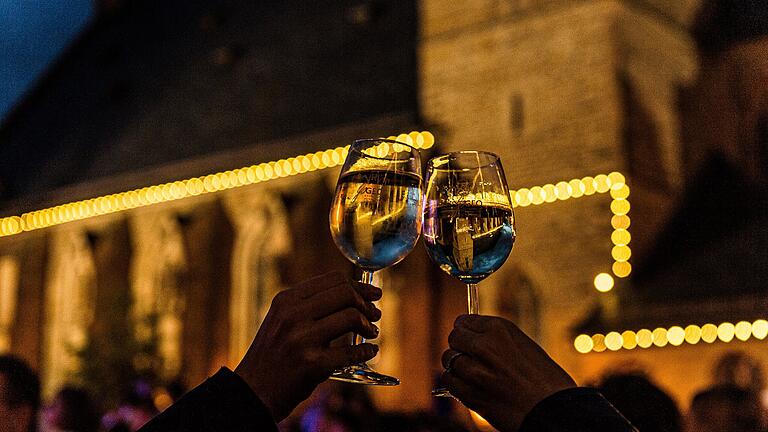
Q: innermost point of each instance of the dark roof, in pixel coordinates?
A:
(723, 22)
(162, 82)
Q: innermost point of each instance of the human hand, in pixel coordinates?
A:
(496, 370)
(291, 354)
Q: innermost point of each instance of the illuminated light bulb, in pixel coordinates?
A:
(216, 182)
(165, 192)
(708, 333)
(277, 169)
(577, 188)
(620, 206)
(743, 330)
(563, 190)
(325, 158)
(242, 176)
(598, 343)
(621, 269)
(621, 237)
(414, 136)
(620, 221)
(404, 138)
(675, 335)
(621, 192)
(335, 158)
(288, 167)
(630, 339)
(195, 186)
(760, 329)
(604, 282)
(613, 341)
(523, 196)
(550, 195)
(660, 337)
(537, 197)
(296, 164)
(589, 185)
(207, 184)
(305, 163)
(621, 253)
(250, 174)
(616, 179)
(583, 343)
(269, 171)
(429, 139)
(693, 334)
(602, 184)
(726, 331)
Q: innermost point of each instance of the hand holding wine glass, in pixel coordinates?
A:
(376, 218)
(469, 227)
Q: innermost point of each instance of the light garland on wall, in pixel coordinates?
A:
(172, 191)
(675, 336)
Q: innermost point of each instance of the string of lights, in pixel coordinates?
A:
(675, 336)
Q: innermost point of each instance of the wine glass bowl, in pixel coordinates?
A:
(376, 218)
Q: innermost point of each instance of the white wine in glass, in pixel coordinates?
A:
(469, 227)
(376, 218)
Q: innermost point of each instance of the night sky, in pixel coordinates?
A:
(32, 34)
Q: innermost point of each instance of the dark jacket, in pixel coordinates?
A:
(225, 402)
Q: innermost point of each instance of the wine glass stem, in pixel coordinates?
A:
(472, 303)
(366, 279)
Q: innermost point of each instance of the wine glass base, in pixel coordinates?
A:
(362, 374)
(442, 392)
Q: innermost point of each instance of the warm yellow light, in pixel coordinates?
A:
(577, 188)
(613, 341)
(583, 343)
(602, 184)
(481, 423)
(620, 206)
(589, 185)
(743, 330)
(620, 192)
(429, 139)
(617, 179)
(630, 339)
(621, 237)
(604, 282)
(563, 190)
(726, 331)
(523, 197)
(537, 195)
(692, 334)
(620, 222)
(550, 195)
(598, 343)
(660, 337)
(621, 253)
(621, 269)
(760, 329)
(708, 333)
(644, 338)
(676, 335)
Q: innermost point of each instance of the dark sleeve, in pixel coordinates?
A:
(223, 402)
(578, 409)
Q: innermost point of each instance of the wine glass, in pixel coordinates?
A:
(469, 227)
(376, 219)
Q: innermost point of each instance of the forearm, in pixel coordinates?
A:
(223, 402)
(575, 410)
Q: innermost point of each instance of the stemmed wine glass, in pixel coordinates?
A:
(376, 219)
(469, 227)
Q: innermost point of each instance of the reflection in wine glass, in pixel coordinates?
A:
(469, 227)
(376, 218)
